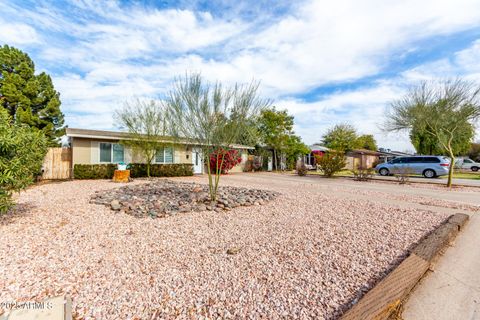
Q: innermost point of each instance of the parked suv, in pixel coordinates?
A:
(467, 164)
(428, 166)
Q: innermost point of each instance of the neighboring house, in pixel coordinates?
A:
(98, 147)
(309, 159)
(361, 158)
(387, 154)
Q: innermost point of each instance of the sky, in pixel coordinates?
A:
(326, 62)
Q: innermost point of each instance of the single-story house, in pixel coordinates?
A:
(361, 158)
(387, 154)
(99, 147)
(309, 159)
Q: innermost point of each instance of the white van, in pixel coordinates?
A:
(468, 164)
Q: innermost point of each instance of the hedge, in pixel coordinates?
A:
(94, 171)
(137, 170)
(161, 170)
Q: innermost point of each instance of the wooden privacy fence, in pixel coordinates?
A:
(57, 164)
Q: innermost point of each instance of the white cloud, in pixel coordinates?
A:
(17, 34)
(363, 107)
(121, 51)
(464, 63)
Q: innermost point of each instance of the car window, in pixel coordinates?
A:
(467, 161)
(398, 160)
(415, 160)
(431, 160)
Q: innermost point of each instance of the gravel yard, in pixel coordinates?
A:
(305, 254)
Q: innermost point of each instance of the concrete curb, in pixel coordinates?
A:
(386, 296)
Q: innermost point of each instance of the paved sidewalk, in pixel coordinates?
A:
(452, 290)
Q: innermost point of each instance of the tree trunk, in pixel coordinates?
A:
(219, 172)
(275, 159)
(148, 169)
(209, 173)
(450, 169)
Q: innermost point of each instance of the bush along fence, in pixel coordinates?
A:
(137, 170)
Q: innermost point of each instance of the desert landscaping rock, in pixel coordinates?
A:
(166, 198)
(233, 250)
(307, 255)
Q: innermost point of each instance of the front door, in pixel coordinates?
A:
(197, 160)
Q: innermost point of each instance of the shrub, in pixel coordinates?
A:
(257, 163)
(331, 162)
(402, 174)
(248, 167)
(301, 169)
(362, 173)
(22, 150)
(230, 159)
(94, 171)
(138, 170)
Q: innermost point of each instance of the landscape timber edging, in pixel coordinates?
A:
(384, 298)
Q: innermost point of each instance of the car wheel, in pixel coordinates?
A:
(429, 173)
(384, 172)
(474, 168)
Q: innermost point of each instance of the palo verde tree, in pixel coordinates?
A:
(211, 116)
(28, 98)
(425, 143)
(147, 124)
(447, 110)
(22, 150)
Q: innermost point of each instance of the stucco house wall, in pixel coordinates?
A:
(353, 160)
(86, 149)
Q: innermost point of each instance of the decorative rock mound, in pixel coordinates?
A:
(164, 198)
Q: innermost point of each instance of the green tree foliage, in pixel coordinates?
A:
(275, 126)
(212, 116)
(22, 150)
(146, 121)
(366, 141)
(446, 110)
(28, 98)
(251, 135)
(474, 152)
(342, 137)
(275, 129)
(294, 148)
(425, 143)
(331, 162)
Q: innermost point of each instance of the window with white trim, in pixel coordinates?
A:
(164, 155)
(111, 152)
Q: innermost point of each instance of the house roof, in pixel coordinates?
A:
(118, 135)
(317, 147)
(365, 151)
(395, 153)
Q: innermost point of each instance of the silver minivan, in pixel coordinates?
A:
(428, 166)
